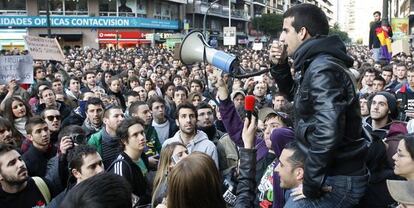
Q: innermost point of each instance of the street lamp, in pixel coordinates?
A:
(205, 17)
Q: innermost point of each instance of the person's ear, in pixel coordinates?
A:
(299, 173)
(303, 33)
(76, 173)
(29, 137)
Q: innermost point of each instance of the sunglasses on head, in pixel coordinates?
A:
(52, 118)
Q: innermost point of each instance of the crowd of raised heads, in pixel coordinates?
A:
(135, 127)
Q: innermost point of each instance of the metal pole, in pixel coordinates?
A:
(205, 17)
(49, 32)
(194, 14)
(229, 13)
(385, 11)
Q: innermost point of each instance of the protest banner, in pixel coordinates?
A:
(44, 48)
(19, 68)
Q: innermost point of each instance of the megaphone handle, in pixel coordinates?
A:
(242, 76)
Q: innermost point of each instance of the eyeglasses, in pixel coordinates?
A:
(52, 117)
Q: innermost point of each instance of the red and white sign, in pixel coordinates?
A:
(129, 37)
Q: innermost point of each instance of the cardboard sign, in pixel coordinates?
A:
(257, 46)
(399, 46)
(229, 36)
(44, 48)
(19, 68)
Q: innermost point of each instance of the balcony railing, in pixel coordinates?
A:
(13, 12)
(121, 14)
(67, 13)
(218, 9)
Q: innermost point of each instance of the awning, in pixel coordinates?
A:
(65, 36)
(125, 41)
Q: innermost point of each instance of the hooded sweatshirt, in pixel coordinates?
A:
(269, 192)
(200, 143)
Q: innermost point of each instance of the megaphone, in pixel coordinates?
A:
(194, 48)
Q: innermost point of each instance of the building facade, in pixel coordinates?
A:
(93, 23)
(217, 16)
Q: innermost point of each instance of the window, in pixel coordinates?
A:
(141, 6)
(64, 7)
(107, 8)
(76, 6)
(12, 5)
(126, 8)
(166, 10)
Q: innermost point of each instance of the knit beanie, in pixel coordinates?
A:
(392, 103)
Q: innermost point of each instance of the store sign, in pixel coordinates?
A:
(111, 34)
(19, 68)
(87, 22)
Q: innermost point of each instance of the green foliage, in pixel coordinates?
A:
(335, 30)
(269, 24)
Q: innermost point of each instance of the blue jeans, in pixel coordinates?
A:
(376, 54)
(346, 192)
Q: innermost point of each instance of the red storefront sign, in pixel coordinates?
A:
(129, 37)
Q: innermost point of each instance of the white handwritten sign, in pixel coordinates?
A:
(19, 68)
(44, 48)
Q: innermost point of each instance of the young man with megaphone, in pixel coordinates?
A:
(327, 118)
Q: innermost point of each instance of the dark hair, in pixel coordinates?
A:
(409, 144)
(166, 86)
(387, 68)
(199, 82)
(309, 16)
(44, 89)
(108, 110)
(131, 93)
(379, 78)
(298, 157)
(377, 12)
(75, 156)
(185, 105)
(155, 99)
(70, 79)
(36, 120)
(135, 105)
(8, 109)
(94, 101)
(101, 190)
(203, 105)
(89, 72)
(181, 88)
(36, 68)
(4, 148)
(122, 130)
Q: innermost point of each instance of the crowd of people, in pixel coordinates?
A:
(137, 128)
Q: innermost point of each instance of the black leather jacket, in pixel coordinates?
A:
(246, 181)
(327, 113)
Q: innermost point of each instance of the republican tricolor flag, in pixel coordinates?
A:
(385, 41)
